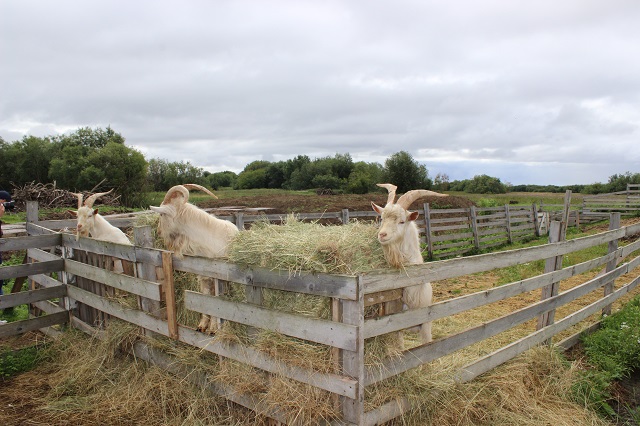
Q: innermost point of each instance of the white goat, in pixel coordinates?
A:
(400, 240)
(186, 229)
(90, 223)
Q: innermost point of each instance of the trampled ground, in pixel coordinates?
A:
(292, 203)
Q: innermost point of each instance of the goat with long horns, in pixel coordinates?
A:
(398, 234)
(90, 223)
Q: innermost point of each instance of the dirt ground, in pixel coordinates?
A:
(326, 203)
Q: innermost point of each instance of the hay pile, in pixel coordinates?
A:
(90, 382)
(298, 246)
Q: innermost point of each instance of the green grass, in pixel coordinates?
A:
(20, 312)
(518, 198)
(13, 362)
(613, 352)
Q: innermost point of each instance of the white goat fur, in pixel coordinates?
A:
(90, 223)
(400, 240)
(186, 229)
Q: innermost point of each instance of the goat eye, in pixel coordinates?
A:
(402, 222)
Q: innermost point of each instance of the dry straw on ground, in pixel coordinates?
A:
(351, 249)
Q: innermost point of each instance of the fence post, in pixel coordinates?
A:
(566, 212)
(345, 216)
(427, 229)
(534, 217)
(614, 223)
(474, 226)
(551, 264)
(239, 220)
(507, 216)
(170, 294)
(143, 237)
(32, 217)
(352, 362)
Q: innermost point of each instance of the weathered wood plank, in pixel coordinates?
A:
(45, 280)
(313, 329)
(384, 296)
(23, 243)
(340, 286)
(463, 226)
(352, 361)
(387, 412)
(41, 255)
(133, 316)
(340, 385)
(19, 327)
(49, 307)
(30, 296)
(121, 251)
(126, 283)
(434, 271)
(170, 295)
(7, 272)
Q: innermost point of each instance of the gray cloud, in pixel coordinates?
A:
(543, 92)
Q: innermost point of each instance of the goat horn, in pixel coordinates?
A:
(198, 187)
(92, 199)
(408, 198)
(79, 196)
(170, 193)
(392, 191)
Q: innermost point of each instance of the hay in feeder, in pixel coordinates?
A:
(297, 246)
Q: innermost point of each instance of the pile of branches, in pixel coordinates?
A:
(48, 196)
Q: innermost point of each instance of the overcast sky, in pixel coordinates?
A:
(539, 92)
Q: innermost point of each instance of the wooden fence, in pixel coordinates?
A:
(622, 201)
(80, 287)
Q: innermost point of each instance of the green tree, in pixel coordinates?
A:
(70, 154)
(619, 182)
(441, 182)
(222, 179)
(364, 177)
(26, 161)
(326, 181)
(253, 176)
(122, 168)
(252, 179)
(163, 175)
(484, 184)
(406, 173)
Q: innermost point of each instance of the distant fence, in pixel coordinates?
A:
(345, 332)
(446, 232)
(623, 201)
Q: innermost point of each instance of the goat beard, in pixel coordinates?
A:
(394, 257)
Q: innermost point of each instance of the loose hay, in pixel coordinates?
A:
(353, 249)
(297, 246)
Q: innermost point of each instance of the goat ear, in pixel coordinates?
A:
(159, 210)
(376, 208)
(413, 215)
(73, 212)
(95, 211)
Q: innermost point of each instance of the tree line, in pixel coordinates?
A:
(98, 158)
